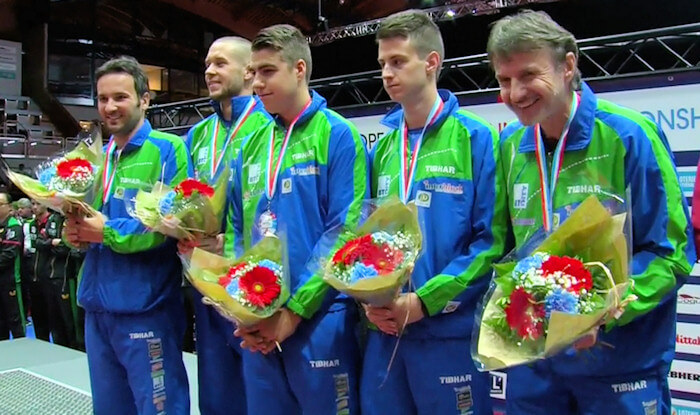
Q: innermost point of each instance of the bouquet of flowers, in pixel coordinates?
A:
(572, 282)
(246, 290)
(373, 262)
(66, 181)
(191, 207)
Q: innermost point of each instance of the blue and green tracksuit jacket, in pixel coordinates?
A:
(610, 149)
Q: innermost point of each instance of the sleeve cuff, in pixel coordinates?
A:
(430, 308)
(299, 309)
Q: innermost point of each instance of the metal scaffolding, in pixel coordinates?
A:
(659, 51)
(449, 11)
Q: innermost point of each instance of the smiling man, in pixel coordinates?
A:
(457, 186)
(590, 146)
(300, 176)
(213, 143)
(130, 286)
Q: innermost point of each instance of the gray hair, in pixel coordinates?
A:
(529, 30)
(289, 41)
(129, 66)
(418, 28)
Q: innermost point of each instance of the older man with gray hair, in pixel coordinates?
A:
(592, 144)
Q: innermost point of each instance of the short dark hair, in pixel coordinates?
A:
(288, 41)
(127, 65)
(418, 28)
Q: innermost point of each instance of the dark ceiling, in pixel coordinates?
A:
(176, 33)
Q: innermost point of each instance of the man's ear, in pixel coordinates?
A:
(300, 69)
(145, 100)
(433, 62)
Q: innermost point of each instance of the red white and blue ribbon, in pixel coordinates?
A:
(548, 185)
(216, 161)
(110, 170)
(408, 172)
(273, 171)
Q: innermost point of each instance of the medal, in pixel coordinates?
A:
(548, 185)
(408, 171)
(267, 223)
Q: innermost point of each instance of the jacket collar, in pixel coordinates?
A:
(318, 103)
(394, 117)
(238, 105)
(138, 138)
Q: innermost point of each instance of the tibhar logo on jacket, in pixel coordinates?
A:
(440, 169)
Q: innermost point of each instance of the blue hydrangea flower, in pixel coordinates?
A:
(534, 261)
(560, 300)
(46, 175)
(361, 271)
(167, 202)
(382, 237)
(269, 264)
(232, 287)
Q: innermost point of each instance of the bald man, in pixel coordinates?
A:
(213, 143)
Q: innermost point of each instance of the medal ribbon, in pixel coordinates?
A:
(408, 172)
(548, 186)
(230, 134)
(273, 173)
(109, 171)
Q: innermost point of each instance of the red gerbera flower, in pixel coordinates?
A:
(383, 258)
(226, 279)
(260, 286)
(188, 186)
(572, 267)
(68, 168)
(524, 315)
(349, 252)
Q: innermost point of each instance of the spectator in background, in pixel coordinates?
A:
(26, 218)
(11, 320)
(52, 256)
(75, 262)
(36, 286)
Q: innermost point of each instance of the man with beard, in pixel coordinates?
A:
(213, 143)
(130, 286)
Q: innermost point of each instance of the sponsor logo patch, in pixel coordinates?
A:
(286, 186)
(451, 307)
(254, 173)
(520, 195)
(423, 198)
(383, 183)
(465, 402)
(498, 385)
